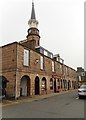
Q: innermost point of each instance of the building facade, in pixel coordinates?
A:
(81, 76)
(29, 69)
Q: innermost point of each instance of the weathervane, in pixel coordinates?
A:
(32, 1)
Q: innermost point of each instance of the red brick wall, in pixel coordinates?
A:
(9, 57)
(13, 60)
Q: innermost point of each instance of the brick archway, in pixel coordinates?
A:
(68, 84)
(37, 86)
(3, 85)
(25, 86)
(44, 85)
(51, 83)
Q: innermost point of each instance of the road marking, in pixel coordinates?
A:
(77, 98)
(8, 104)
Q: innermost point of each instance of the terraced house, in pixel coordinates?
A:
(29, 69)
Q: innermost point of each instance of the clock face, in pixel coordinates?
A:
(37, 32)
(29, 31)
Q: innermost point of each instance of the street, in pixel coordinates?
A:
(65, 105)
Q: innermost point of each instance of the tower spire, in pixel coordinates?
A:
(33, 11)
(33, 22)
(33, 37)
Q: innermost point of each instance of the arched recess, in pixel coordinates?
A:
(3, 85)
(51, 83)
(37, 86)
(25, 86)
(61, 83)
(68, 84)
(55, 86)
(64, 84)
(44, 85)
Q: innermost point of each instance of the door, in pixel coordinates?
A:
(37, 86)
(55, 85)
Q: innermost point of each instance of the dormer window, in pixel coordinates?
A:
(61, 68)
(45, 53)
(51, 56)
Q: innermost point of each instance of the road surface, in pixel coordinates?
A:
(65, 105)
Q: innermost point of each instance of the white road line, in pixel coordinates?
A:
(77, 98)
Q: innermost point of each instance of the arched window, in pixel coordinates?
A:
(43, 84)
(51, 84)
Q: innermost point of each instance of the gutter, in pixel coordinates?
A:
(16, 71)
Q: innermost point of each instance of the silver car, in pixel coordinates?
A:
(82, 91)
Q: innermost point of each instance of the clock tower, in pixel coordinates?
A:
(33, 37)
(33, 32)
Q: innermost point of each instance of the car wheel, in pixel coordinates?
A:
(79, 97)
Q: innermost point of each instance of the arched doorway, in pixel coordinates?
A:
(61, 83)
(51, 83)
(3, 85)
(37, 88)
(75, 84)
(25, 86)
(44, 87)
(65, 84)
(68, 84)
(55, 85)
(58, 85)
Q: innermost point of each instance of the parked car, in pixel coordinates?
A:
(82, 91)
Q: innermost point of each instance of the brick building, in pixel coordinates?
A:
(29, 69)
(81, 76)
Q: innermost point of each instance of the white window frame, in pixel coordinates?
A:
(61, 68)
(53, 67)
(26, 57)
(45, 53)
(66, 71)
(41, 62)
(56, 66)
(51, 56)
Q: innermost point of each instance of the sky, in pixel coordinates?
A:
(61, 26)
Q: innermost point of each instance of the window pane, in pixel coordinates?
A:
(41, 62)
(52, 66)
(41, 51)
(45, 52)
(51, 56)
(26, 57)
(61, 68)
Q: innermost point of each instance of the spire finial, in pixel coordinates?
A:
(33, 11)
(33, 1)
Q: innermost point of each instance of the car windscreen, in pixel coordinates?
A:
(83, 87)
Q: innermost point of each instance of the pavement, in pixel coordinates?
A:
(6, 102)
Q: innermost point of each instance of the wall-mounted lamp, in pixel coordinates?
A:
(36, 61)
